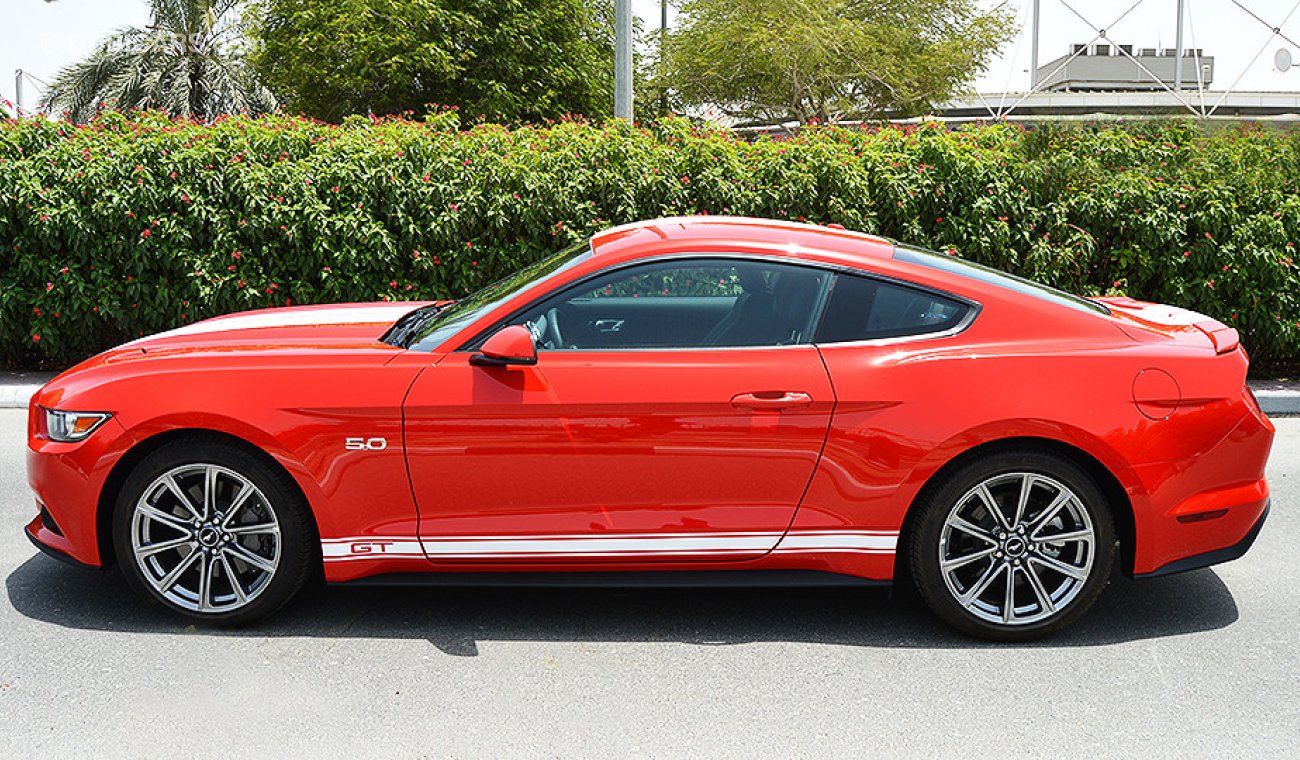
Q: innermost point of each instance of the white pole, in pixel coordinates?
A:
(623, 59)
(18, 94)
(1178, 45)
(1033, 50)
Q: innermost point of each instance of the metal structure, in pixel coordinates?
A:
(1156, 72)
(22, 78)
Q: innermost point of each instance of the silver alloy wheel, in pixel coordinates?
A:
(205, 538)
(1017, 548)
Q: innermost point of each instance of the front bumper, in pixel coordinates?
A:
(67, 479)
(1215, 557)
(51, 543)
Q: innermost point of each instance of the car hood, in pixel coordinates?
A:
(328, 326)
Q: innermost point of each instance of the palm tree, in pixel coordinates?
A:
(186, 62)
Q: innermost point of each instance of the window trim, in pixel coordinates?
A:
(975, 307)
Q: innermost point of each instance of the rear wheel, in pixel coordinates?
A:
(1013, 545)
(212, 531)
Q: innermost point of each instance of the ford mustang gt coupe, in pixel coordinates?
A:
(700, 400)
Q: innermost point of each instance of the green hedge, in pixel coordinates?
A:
(137, 224)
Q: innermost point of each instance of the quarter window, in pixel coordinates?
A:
(862, 308)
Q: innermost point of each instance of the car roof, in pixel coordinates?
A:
(709, 233)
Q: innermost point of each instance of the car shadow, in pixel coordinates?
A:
(457, 620)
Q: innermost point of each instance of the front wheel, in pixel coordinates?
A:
(212, 531)
(1013, 545)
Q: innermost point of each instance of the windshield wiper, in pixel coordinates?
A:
(406, 329)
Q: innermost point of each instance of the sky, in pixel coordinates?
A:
(41, 38)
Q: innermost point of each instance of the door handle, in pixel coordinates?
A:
(609, 325)
(772, 400)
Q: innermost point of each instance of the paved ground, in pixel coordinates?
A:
(1206, 664)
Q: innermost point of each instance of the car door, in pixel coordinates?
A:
(676, 411)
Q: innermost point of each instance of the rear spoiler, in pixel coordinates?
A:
(1172, 322)
(1223, 337)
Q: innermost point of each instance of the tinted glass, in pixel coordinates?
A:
(683, 304)
(861, 308)
(994, 277)
(441, 325)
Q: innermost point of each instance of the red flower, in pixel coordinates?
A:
(49, 286)
(145, 233)
(36, 338)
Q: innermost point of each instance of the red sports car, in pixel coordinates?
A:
(682, 401)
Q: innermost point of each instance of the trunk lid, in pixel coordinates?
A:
(1148, 322)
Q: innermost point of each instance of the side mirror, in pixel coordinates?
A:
(511, 345)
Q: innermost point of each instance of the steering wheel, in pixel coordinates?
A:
(553, 336)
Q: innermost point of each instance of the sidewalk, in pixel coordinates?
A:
(1275, 397)
(16, 388)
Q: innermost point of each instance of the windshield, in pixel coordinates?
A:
(994, 277)
(430, 327)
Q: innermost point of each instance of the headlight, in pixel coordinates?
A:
(69, 427)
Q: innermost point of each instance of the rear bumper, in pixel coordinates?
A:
(1218, 556)
(1196, 508)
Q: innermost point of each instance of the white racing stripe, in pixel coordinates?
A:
(865, 541)
(604, 545)
(290, 318)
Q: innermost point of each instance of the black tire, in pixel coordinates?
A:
(1043, 582)
(274, 500)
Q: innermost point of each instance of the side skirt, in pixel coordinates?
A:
(627, 579)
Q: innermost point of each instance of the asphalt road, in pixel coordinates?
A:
(1206, 664)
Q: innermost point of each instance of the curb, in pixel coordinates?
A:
(1273, 402)
(1279, 402)
(16, 396)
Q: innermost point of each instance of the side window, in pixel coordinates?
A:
(683, 304)
(862, 308)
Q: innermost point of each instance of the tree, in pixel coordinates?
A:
(187, 62)
(803, 59)
(505, 59)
